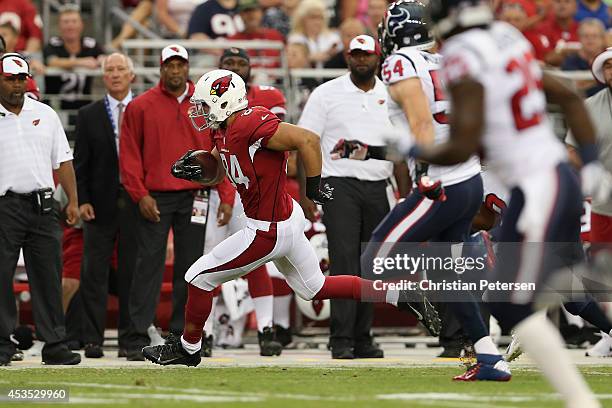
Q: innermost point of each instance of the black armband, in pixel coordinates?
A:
(377, 152)
(312, 186)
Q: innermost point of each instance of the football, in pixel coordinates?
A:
(209, 165)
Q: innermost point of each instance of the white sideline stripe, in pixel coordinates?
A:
(444, 396)
(178, 397)
(186, 391)
(82, 400)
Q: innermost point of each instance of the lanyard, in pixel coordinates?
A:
(110, 114)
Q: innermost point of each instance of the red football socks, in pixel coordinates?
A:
(350, 287)
(197, 309)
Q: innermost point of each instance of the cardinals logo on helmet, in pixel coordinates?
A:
(19, 63)
(221, 85)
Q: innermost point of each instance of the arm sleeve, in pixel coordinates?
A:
(61, 149)
(462, 62)
(130, 159)
(227, 192)
(314, 114)
(265, 130)
(81, 158)
(398, 67)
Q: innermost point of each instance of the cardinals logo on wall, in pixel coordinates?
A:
(221, 85)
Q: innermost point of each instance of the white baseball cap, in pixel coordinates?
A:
(364, 43)
(597, 67)
(14, 64)
(174, 50)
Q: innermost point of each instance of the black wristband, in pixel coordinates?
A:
(377, 152)
(312, 186)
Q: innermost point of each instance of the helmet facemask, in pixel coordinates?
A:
(200, 116)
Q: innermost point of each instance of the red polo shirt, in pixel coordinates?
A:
(262, 58)
(155, 132)
(556, 33)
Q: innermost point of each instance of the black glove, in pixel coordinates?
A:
(187, 168)
(356, 150)
(429, 188)
(317, 193)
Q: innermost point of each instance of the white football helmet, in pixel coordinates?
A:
(217, 95)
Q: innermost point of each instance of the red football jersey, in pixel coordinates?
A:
(23, 15)
(269, 97)
(259, 174)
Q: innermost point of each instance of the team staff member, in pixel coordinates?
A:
(34, 146)
(107, 209)
(351, 107)
(156, 131)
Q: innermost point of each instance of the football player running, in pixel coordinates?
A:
(251, 145)
(445, 198)
(498, 96)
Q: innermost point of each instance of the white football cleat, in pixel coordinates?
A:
(514, 349)
(603, 348)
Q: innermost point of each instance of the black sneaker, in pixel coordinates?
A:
(171, 353)
(18, 356)
(283, 335)
(416, 303)
(268, 345)
(93, 351)
(207, 346)
(122, 352)
(134, 355)
(368, 351)
(342, 353)
(5, 359)
(60, 355)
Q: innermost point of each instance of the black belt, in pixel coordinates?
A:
(23, 196)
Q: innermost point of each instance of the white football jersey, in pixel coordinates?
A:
(518, 140)
(410, 63)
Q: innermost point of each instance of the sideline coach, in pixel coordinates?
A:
(34, 146)
(353, 106)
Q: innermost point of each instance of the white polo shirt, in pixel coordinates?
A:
(32, 145)
(339, 110)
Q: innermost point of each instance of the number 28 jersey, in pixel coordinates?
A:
(410, 63)
(259, 174)
(517, 139)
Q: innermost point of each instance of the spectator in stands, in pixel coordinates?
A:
(174, 15)
(354, 9)
(297, 58)
(23, 16)
(156, 131)
(376, 12)
(11, 35)
(34, 148)
(310, 26)
(593, 9)
(349, 29)
(213, 19)
(562, 32)
(592, 35)
(108, 211)
(516, 12)
(351, 107)
(142, 10)
(279, 17)
(251, 14)
(68, 51)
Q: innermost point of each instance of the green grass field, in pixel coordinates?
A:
(295, 387)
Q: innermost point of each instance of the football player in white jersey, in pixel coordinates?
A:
(498, 96)
(445, 198)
